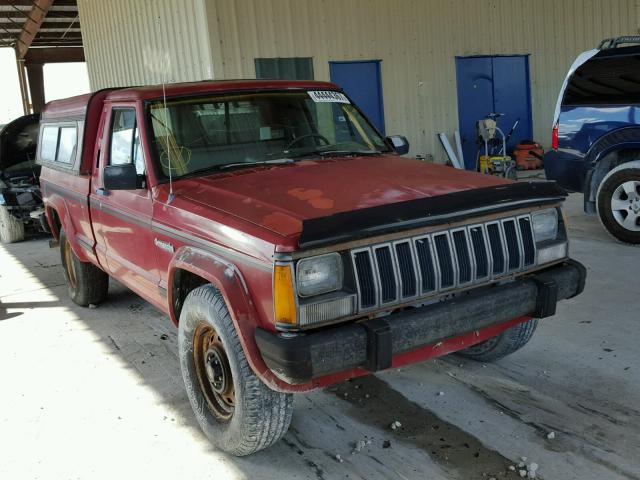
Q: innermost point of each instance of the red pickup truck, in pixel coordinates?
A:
(290, 242)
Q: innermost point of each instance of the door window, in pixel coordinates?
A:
(125, 140)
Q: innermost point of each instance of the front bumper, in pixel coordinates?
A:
(371, 344)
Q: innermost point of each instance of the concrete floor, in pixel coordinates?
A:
(97, 393)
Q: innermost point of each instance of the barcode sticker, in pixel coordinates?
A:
(328, 96)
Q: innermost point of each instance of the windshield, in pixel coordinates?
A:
(194, 135)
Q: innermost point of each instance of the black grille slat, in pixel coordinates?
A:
(513, 247)
(465, 268)
(479, 253)
(386, 274)
(427, 266)
(445, 260)
(528, 243)
(407, 269)
(497, 252)
(364, 271)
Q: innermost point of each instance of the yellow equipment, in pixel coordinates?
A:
(489, 163)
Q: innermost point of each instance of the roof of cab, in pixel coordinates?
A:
(156, 91)
(75, 107)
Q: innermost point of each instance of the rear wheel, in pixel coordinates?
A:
(618, 203)
(11, 228)
(87, 284)
(236, 411)
(502, 345)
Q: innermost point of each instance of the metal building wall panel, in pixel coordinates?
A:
(417, 41)
(145, 41)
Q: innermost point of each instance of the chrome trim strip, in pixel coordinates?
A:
(374, 279)
(396, 273)
(414, 264)
(535, 246)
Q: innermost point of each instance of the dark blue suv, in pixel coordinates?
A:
(596, 135)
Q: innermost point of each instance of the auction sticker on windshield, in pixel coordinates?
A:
(328, 96)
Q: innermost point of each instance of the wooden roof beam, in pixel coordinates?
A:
(32, 25)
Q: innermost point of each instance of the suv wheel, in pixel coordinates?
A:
(236, 411)
(618, 202)
(502, 345)
(11, 229)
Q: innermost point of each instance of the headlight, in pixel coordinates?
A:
(321, 274)
(545, 225)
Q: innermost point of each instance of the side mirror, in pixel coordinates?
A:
(120, 177)
(400, 144)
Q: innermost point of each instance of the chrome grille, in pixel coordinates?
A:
(392, 273)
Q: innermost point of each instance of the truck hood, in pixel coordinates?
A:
(18, 141)
(281, 197)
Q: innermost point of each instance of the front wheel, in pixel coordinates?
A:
(618, 202)
(236, 411)
(502, 345)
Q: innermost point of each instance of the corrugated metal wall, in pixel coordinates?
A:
(127, 42)
(417, 41)
(145, 41)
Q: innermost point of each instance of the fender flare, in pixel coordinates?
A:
(227, 278)
(58, 204)
(621, 139)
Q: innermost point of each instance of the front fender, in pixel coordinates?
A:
(228, 279)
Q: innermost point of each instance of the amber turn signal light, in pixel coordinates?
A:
(284, 299)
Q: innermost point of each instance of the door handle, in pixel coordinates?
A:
(102, 192)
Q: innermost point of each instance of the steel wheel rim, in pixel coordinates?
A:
(68, 262)
(625, 205)
(213, 371)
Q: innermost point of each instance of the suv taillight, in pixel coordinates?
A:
(554, 137)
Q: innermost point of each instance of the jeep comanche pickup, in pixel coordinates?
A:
(290, 242)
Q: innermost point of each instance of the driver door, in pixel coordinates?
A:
(124, 216)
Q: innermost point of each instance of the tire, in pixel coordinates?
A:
(11, 229)
(239, 414)
(87, 284)
(618, 202)
(502, 345)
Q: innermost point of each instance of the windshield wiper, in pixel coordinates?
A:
(275, 161)
(340, 153)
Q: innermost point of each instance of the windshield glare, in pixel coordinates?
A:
(200, 134)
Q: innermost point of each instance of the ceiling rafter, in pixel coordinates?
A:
(34, 20)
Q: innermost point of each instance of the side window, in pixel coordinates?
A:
(605, 81)
(292, 68)
(125, 140)
(49, 144)
(66, 145)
